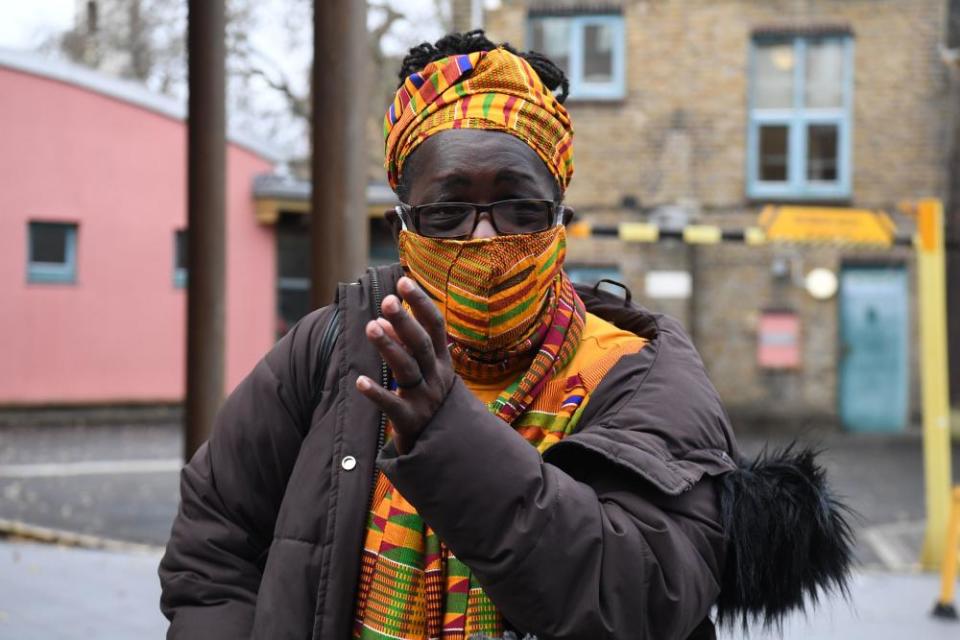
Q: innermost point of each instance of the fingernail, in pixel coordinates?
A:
(405, 285)
(390, 304)
(374, 329)
(363, 383)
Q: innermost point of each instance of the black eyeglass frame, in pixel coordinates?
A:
(410, 215)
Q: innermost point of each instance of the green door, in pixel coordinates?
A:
(873, 356)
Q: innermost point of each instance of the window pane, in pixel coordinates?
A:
(822, 152)
(293, 304)
(824, 74)
(48, 242)
(590, 274)
(180, 245)
(551, 37)
(383, 248)
(774, 151)
(773, 75)
(598, 53)
(293, 251)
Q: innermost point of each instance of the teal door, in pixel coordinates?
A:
(873, 349)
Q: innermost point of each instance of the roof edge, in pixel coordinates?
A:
(125, 91)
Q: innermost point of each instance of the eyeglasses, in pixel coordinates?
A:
(460, 219)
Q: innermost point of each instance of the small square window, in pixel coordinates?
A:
(589, 48)
(180, 258)
(52, 252)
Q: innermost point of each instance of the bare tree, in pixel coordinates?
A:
(144, 40)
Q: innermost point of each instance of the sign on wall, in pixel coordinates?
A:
(668, 285)
(827, 224)
(778, 340)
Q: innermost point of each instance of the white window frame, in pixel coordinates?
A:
(580, 89)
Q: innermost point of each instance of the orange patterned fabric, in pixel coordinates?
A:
(490, 291)
(411, 586)
(492, 90)
(506, 304)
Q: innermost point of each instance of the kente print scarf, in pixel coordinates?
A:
(411, 585)
(491, 90)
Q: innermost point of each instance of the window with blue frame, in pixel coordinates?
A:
(591, 274)
(589, 48)
(800, 125)
(180, 258)
(52, 252)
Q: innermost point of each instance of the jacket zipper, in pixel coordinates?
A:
(385, 383)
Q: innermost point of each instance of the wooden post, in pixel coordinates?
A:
(339, 223)
(206, 219)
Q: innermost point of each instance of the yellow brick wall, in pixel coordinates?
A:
(680, 134)
(687, 60)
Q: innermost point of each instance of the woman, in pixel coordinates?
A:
(488, 449)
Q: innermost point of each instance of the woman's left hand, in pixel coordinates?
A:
(415, 349)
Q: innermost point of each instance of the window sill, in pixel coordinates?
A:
(594, 101)
(47, 276)
(787, 199)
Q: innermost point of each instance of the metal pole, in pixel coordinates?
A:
(338, 223)
(206, 227)
(932, 311)
(948, 572)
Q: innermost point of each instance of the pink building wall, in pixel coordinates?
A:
(118, 170)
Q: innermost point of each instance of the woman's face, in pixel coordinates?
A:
(470, 165)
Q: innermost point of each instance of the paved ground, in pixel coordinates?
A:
(883, 606)
(56, 593)
(113, 481)
(121, 482)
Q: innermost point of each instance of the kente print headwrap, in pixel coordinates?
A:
(494, 90)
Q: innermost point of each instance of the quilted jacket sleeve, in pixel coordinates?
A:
(617, 538)
(231, 492)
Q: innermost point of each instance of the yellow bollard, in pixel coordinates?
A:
(948, 574)
(932, 318)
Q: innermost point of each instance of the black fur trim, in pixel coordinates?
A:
(789, 541)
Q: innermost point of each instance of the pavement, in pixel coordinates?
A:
(50, 592)
(115, 487)
(118, 482)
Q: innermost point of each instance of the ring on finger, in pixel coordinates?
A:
(410, 385)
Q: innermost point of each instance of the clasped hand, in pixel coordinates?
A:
(415, 348)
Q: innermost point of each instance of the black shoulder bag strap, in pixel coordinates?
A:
(327, 342)
(385, 276)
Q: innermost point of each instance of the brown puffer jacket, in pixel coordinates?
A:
(615, 533)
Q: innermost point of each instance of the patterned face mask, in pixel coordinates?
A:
(493, 293)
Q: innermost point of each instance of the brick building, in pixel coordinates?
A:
(705, 111)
